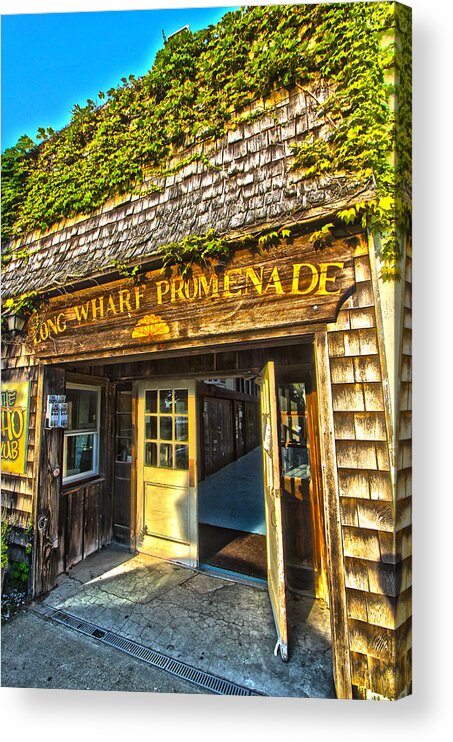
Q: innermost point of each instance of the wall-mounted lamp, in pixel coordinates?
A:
(15, 323)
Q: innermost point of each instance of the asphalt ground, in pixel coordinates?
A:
(38, 653)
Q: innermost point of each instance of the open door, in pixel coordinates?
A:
(273, 508)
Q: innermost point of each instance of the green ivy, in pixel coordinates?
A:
(5, 532)
(194, 249)
(126, 271)
(200, 85)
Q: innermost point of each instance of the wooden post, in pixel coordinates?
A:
(335, 558)
(135, 474)
(49, 486)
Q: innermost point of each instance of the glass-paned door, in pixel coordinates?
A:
(167, 470)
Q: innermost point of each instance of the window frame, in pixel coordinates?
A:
(94, 471)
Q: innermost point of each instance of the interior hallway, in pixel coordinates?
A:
(233, 496)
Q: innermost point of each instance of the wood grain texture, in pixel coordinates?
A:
(337, 590)
(283, 289)
(49, 486)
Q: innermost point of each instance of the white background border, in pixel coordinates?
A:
(44, 714)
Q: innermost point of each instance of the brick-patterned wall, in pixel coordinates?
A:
(375, 522)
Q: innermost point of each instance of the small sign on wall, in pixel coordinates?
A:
(56, 411)
(15, 412)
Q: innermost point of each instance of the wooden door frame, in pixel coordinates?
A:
(48, 488)
(334, 541)
(137, 489)
(48, 485)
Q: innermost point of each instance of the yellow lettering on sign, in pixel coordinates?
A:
(274, 282)
(15, 403)
(44, 331)
(139, 295)
(111, 307)
(209, 288)
(125, 300)
(61, 322)
(177, 288)
(324, 278)
(81, 312)
(191, 295)
(163, 287)
(296, 278)
(97, 307)
(55, 325)
(257, 281)
(228, 280)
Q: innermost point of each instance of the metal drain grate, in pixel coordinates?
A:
(180, 669)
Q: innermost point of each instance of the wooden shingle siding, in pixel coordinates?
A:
(375, 514)
(353, 483)
(380, 486)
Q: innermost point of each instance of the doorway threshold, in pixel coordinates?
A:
(227, 574)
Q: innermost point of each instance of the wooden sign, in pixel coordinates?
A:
(279, 287)
(15, 409)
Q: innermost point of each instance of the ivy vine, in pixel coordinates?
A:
(199, 86)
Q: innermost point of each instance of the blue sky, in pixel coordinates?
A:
(50, 61)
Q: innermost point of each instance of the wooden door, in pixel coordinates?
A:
(167, 471)
(123, 465)
(273, 508)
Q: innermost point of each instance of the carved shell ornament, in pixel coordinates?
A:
(149, 327)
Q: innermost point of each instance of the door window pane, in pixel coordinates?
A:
(150, 454)
(151, 401)
(292, 398)
(166, 401)
(124, 402)
(166, 428)
(124, 424)
(181, 428)
(123, 449)
(181, 401)
(295, 462)
(293, 431)
(181, 457)
(166, 456)
(151, 427)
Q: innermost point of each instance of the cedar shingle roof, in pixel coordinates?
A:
(249, 185)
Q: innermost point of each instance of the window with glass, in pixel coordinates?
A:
(123, 435)
(295, 457)
(81, 439)
(167, 428)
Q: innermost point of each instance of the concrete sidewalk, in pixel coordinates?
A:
(37, 653)
(222, 627)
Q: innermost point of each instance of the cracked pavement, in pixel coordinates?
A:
(217, 625)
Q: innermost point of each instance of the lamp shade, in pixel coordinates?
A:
(15, 323)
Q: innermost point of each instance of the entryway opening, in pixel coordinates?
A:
(231, 515)
(215, 466)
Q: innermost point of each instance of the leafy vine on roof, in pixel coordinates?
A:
(200, 82)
